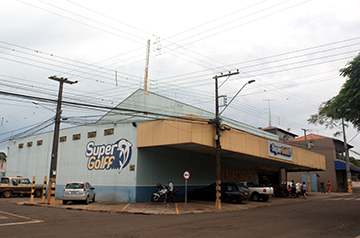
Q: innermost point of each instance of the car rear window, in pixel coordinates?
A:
(75, 185)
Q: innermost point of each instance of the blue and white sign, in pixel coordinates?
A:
(110, 156)
(279, 150)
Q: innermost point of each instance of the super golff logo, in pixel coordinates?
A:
(110, 156)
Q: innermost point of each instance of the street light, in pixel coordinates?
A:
(217, 121)
(248, 82)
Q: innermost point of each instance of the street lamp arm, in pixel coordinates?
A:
(249, 82)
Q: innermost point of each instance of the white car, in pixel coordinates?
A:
(78, 191)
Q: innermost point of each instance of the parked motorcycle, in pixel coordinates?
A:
(160, 194)
(280, 191)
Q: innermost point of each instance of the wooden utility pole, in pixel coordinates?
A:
(217, 121)
(54, 153)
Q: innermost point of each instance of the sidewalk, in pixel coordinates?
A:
(160, 208)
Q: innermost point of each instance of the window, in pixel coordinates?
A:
(21, 145)
(76, 137)
(25, 181)
(63, 139)
(4, 180)
(39, 142)
(109, 132)
(15, 182)
(29, 144)
(91, 134)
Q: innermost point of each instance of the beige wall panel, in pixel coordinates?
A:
(167, 132)
(203, 134)
(308, 158)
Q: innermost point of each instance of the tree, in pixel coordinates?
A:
(3, 156)
(354, 161)
(345, 105)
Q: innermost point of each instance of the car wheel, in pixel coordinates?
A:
(255, 197)
(87, 200)
(65, 202)
(265, 199)
(93, 200)
(155, 198)
(37, 193)
(227, 199)
(7, 194)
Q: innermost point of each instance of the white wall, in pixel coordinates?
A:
(73, 163)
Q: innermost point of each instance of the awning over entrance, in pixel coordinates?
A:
(341, 165)
(198, 136)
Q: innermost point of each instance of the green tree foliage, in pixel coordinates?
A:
(3, 156)
(346, 104)
(354, 161)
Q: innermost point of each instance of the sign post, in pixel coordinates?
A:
(186, 176)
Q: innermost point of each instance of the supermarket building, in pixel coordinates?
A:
(148, 139)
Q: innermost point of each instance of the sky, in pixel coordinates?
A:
(292, 49)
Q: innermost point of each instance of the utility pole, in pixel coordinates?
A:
(305, 130)
(217, 122)
(147, 67)
(348, 172)
(54, 153)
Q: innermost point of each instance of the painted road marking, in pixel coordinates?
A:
(344, 199)
(177, 210)
(18, 223)
(125, 207)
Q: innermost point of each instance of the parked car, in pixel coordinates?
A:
(18, 185)
(78, 191)
(230, 192)
(258, 191)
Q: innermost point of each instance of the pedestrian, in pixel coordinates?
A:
(298, 187)
(322, 186)
(328, 186)
(293, 188)
(170, 189)
(304, 188)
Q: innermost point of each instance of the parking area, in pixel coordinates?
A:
(160, 208)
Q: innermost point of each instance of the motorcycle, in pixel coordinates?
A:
(160, 194)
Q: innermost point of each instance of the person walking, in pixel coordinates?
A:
(293, 189)
(304, 188)
(322, 186)
(328, 186)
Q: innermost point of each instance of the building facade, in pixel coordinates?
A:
(148, 139)
(334, 153)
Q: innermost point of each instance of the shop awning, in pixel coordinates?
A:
(341, 165)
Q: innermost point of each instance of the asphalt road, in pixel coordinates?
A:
(328, 217)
